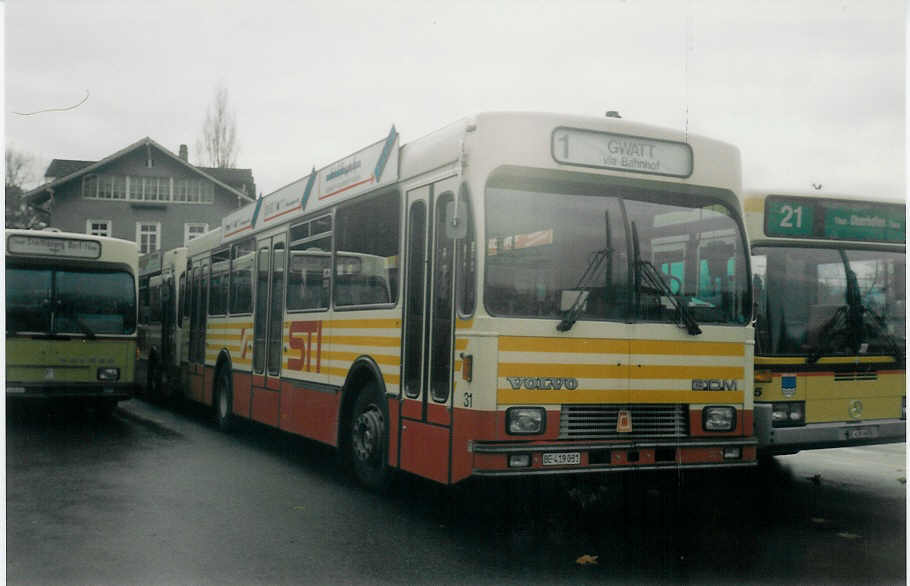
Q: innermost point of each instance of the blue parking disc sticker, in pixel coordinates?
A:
(788, 384)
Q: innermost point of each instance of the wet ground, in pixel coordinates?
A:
(156, 496)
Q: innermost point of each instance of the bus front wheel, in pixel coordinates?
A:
(368, 440)
(223, 399)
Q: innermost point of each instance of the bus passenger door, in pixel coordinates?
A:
(268, 330)
(428, 329)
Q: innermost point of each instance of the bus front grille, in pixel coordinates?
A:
(599, 421)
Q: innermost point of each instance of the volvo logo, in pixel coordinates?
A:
(856, 409)
(714, 384)
(542, 383)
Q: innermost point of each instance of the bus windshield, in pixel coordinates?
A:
(71, 301)
(831, 301)
(605, 247)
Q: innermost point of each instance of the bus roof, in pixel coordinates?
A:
(481, 136)
(71, 247)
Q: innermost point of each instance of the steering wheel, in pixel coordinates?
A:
(674, 280)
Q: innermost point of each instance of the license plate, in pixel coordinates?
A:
(562, 459)
(862, 432)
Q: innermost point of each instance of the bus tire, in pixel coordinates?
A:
(368, 440)
(223, 400)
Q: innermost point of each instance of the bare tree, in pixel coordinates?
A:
(18, 172)
(218, 145)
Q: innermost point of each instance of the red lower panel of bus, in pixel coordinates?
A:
(207, 385)
(470, 425)
(243, 394)
(425, 449)
(310, 413)
(265, 406)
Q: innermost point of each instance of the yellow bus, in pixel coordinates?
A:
(513, 294)
(70, 317)
(830, 291)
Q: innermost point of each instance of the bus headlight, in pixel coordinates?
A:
(788, 414)
(108, 373)
(526, 420)
(718, 418)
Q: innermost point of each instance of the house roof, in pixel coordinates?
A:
(234, 177)
(64, 167)
(77, 168)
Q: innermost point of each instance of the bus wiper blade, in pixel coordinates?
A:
(882, 327)
(840, 321)
(653, 280)
(571, 315)
(89, 333)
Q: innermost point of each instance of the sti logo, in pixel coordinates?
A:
(714, 384)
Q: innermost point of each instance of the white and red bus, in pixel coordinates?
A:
(513, 294)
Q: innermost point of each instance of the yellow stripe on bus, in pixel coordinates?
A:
(620, 371)
(464, 324)
(576, 345)
(589, 346)
(387, 359)
(678, 348)
(522, 396)
(362, 341)
(390, 323)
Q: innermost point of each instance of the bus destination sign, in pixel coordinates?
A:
(800, 217)
(49, 246)
(588, 148)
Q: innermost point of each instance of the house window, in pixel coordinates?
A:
(90, 186)
(98, 227)
(135, 187)
(148, 236)
(192, 230)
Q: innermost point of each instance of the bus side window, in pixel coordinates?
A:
(466, 263)
(367, 249)
(241, 297)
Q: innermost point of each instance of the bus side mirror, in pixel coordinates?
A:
(456, 220)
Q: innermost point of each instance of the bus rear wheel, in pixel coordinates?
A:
(368, 440)
(223, 400)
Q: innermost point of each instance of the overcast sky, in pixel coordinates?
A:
(811, 91)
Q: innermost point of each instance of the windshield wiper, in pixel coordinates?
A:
(651, 279)
(571, 315)
(839, 322)
(646, 274)
(881, 326)
(605, 254)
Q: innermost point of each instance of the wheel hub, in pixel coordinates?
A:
(367, 434)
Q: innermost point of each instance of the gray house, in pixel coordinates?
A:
(144, 193)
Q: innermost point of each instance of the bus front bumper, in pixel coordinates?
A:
(55, 391)
(520, 459)
(784, 440)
